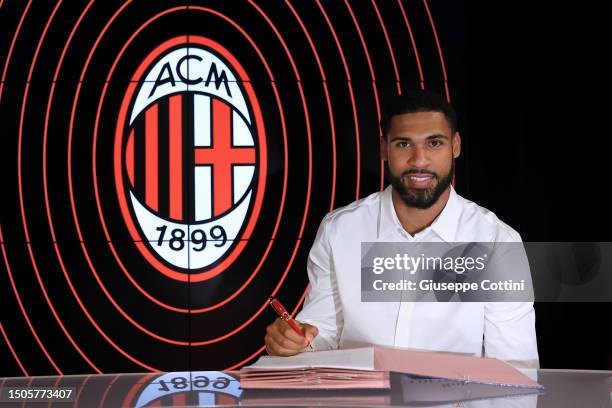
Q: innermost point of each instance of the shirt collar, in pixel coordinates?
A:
(445, 225)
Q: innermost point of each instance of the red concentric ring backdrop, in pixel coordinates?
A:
(80, 295)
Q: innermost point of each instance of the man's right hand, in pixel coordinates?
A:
(282, 340)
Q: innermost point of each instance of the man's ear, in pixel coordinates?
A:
(456, 145)
(383, 148)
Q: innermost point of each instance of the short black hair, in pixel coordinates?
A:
(417, 101)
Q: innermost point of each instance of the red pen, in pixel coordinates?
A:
(284, 315)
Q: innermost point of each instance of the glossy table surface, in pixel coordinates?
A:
(563, 388)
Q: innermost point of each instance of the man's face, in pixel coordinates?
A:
(420, 151)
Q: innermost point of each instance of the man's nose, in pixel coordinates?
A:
(419, 157)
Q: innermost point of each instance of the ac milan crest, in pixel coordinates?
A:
(190, 158)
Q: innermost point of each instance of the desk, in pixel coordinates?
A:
(564, 388)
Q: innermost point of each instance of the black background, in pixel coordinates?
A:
(537, 130)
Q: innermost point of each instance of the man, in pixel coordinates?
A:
(420, 143)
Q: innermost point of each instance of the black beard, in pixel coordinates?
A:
(421, 198)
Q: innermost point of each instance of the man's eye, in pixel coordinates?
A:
(403, 144)
(435, 143)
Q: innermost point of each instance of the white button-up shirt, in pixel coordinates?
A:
(505, 330)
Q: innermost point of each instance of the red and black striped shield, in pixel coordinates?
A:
(190, 158)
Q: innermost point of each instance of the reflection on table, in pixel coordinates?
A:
(563, 388)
